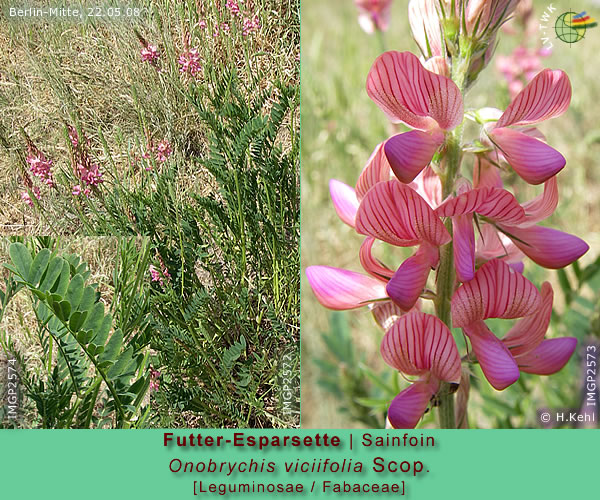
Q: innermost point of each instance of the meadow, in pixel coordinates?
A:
(345, 383)
(180, 125)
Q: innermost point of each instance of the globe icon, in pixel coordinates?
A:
(564, 29)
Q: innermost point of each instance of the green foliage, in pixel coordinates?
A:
(92, 376)
(364, 394)
(237, 267)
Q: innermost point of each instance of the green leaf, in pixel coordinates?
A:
(39, 265)
(113, 347)
(62, 309)
(103, 330)
(87, 300)
(77, 319)
(52, 273)
(75, 291)
(21, 258)
(61, 285)
(94, 319)
(122, 365)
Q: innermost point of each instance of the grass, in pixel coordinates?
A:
(221, 214)
(341, 126)
(91, 76)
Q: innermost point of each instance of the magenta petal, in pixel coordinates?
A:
(549, 357)
(408, 407)
(486, 175)
(395, 213)
(531, 158)
(494, 203)
(496, 291)
(528, 333)
(376, 170)
(406, 92)
(547, 247)
(546, 96)
(386, 313)
(409, 153)
(344, 201)
(497, 364)
(408, 282)
(418, 343)
(341, 289)
(517, 266)
(429, 187)
(542, 206)
(370, 264)
(464, 247)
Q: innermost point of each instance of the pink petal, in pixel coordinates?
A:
(410, 279)
(463, 238)
(344, 201)
(517, 266)
(376, 170)
(493, 245)
(341, 289)
(531, 158)
(425, 26)
(497, 364)
(495, 203)
(542, 206)
(528, 333)
(406, 92)
(372, 265)
(486, 175)
(409, 153)
(497, 291)
(429, 187)
(386, 313)
(418, 343)
(395, 213)
(438, 65)
(547, 247)
(549, 357)
(408, 407)
(547, 96)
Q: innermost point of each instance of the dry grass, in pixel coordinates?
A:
(57, 72)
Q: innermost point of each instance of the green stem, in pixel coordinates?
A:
(445, 275)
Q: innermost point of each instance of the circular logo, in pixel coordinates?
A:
(565, 30)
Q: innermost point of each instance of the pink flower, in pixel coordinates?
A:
(76, 190)
(27, 199)
(373, 14)
(40, 166)
(547, 96)
(154, 380)
(233, 7)
(497, 291)
(420, 345)
(190, 62)
(429, 103)
(150, 54)
(425, 26)
(155, 274)
(487, 15)
(520, 67)
(90, 173)
(250, 25)
(395, 213)
(547, 247)
(163, 151)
